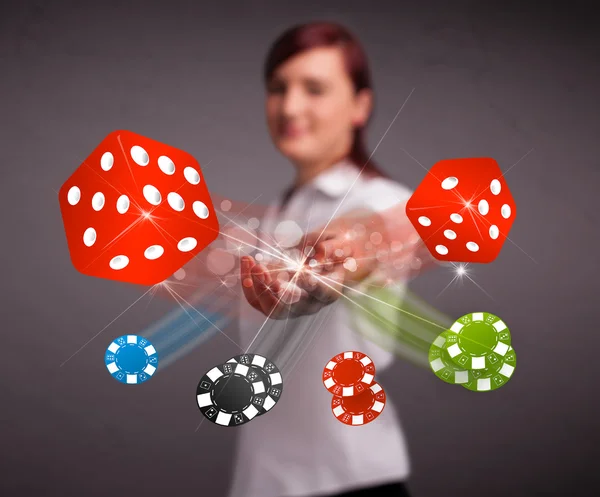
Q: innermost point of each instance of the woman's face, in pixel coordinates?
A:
(312, 107)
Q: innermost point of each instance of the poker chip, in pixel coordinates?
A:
(359, 409)
(230, 394)
(348, 374)
(478, 340)
(268, 373)
(495, 376)
(443, 366)
(131, 359)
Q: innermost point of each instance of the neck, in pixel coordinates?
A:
(307, 171)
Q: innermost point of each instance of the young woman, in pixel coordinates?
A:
(319, 99)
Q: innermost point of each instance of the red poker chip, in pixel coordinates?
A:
(359, 409)
(349, 373)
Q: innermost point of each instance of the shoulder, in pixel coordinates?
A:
(380, 193)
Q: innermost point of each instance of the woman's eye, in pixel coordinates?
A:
(276, 89)
(315, 90)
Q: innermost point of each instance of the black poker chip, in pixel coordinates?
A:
(231, 394)
(270, 375)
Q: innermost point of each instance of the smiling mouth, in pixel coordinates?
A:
(290, 131)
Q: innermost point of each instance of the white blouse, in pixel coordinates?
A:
(299, 448)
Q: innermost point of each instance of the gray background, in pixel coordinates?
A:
(492, 79)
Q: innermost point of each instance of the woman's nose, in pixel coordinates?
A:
(293, 103)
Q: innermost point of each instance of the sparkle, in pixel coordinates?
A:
(296, 266)
(460, 272)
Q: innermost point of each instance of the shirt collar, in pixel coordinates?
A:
(336, 180)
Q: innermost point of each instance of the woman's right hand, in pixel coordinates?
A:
(279, 299)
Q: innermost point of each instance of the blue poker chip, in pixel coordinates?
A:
(131, 359)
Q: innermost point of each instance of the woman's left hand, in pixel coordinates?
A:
(340, 244)
(315, 286)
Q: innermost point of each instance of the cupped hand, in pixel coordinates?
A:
(303, 291)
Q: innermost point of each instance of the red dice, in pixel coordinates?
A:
(136, 210)
(463, 210)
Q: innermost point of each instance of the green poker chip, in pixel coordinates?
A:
(495, 376)
(443, 366)
(478, 341)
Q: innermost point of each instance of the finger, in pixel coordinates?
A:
(315, 293)
(293, 301)
(262, 276)
(335, 250)
(309, 241)
(247, 263)
(297, 301)
(325, 293)
(327, 254)
(267, 274)
(270, 303)
(267, 300)
(290, 292)
(307, 280)
(334, 282)
(258, 279)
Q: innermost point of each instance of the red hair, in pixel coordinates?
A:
(304, 37)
